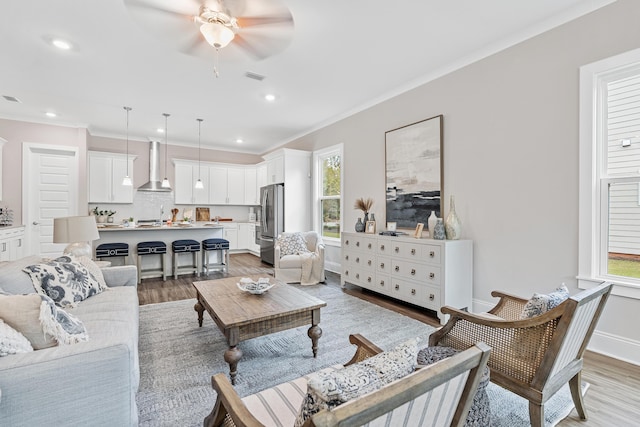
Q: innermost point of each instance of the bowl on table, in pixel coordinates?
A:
(255, 287)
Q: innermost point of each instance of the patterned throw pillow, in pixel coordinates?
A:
(292, 244)
(541, 303)
(12, 341)
(93, 268)
(65, 280)
(330, 389)
(64, 327)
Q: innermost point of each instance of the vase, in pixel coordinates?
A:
(452, 225)
(101, 219)
(373, 217)
(366, 217)
(438, 230)
(110, 219)
(431, 222)
(359, 226)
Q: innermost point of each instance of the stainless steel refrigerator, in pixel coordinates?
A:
(271, 220)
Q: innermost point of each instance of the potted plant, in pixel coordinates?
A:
(110, 214)
(100, 215)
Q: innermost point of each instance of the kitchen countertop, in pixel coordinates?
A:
(196, 226)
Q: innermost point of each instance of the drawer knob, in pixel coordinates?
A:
(358, 259)
(382, 247)
(369, 279)
(382, 265)
(432, 275)
(413, 291)
(346, 242)
(397, 249)
(346, 257)
(397, 287)
(346, 272)
(381, 282)
(369, 262)
(369, 246)
(432, 297)
(358, 244)
(357, 275)
(413, 251)
(397, 268)
(432, 254)
(413, 271)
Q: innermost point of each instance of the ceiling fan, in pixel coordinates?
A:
(260, 28)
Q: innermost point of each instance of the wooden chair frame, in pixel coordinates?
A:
(531, 357)
(230, 411)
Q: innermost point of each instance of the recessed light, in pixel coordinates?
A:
(160, 130)
(239, 141)
(50, 114)
(61, 44)
(270, 97)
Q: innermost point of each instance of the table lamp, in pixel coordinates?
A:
(78, 231)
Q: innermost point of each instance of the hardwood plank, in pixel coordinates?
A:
(611, 399)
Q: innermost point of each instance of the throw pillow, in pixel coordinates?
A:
(292, 244)
(330, 389)
(12, 341)
(64, 327)
(65, 280)
(96, 271)
(22, 313)
(541, 303)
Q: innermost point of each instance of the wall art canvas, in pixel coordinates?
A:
(414, 172)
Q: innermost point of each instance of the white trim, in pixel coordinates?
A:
(592, 198)
(317, 156)
(615, 346)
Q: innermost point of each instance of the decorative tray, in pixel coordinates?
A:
(256, 288)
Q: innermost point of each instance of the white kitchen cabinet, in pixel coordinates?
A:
(261, 177)
(186, 175)
(106, 172)
(226, 185)
(251, 186)
(231, 234)
(11, 244)
(243, 236)
(424, 272)
(253, 247)
(275, 169)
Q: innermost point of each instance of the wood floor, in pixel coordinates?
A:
(612, 399)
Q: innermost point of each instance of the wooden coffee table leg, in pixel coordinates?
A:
(232, 355)
(200, 309)
(314, 331)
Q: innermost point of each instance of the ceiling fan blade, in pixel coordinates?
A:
(252, 21)
(249, 48)
(150, 6)
(192, 45)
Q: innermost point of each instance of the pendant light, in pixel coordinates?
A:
(165, 181)
(127, 180)
(199, 184)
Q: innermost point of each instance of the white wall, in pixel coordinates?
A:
(510, 158)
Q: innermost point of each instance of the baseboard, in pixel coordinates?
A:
(333, 267)
(615, 346)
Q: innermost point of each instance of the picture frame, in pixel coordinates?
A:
(414, 172)
(392, 226)
(418, 232)
(370, 227)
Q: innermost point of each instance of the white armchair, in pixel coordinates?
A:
(292, 264)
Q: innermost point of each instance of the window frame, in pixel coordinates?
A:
(593, 181)
(318, 159)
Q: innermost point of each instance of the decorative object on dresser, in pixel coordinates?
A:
(452, 225)
(391, 226)
(359, 225)
(371, 227)
(431, 223)
(365, 206)
(414, 172)
(418, 233)
(427, 273)
(438, 230)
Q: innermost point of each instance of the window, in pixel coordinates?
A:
(609, 226)
(328, 190)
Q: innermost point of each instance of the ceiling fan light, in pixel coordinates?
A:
(217, 35)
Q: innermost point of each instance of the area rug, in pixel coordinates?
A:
(178, 358)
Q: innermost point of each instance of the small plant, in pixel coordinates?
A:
(110, 213)
(98, 212)
(363, 204)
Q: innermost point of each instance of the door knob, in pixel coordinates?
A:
(36, 223)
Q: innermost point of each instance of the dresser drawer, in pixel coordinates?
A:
(432, 275)
(432, 254)
(382, 284)
(358, 276)
(359, 243)
(409, 251)
(409, 270)
(383, 265)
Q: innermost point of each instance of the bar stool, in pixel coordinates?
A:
(151, 248)
(110, 250)
(185, 246)
(221, 246)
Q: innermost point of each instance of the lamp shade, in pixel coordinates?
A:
(217, 34)
(75, 229)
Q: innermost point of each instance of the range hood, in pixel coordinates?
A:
(155, 182)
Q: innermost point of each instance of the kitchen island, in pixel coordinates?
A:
(110, 233)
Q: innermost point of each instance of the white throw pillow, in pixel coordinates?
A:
(541, 303)
(12, 341)
(292, 244)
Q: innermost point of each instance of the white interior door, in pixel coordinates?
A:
(50, 189)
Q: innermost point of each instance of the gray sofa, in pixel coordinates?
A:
(92, 383)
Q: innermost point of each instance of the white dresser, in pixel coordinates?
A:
(425, 272)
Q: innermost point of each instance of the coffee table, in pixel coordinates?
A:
(242, 316)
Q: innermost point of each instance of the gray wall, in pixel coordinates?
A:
(510, 159)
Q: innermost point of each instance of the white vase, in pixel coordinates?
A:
(431, 223)
(452, 224)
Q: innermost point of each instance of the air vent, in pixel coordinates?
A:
(11, 98)
(254, 76)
